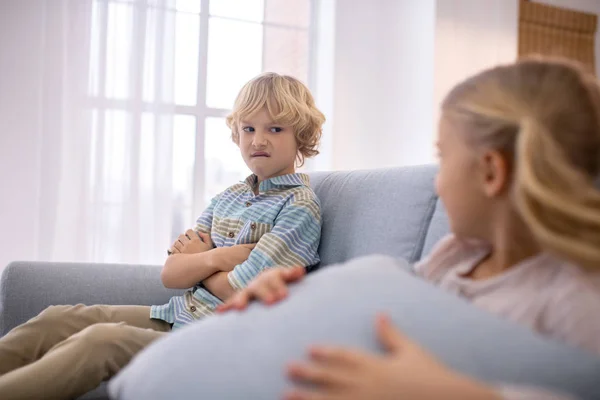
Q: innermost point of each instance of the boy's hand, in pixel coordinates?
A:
(268, 287)
(405, 372)
(226, 258)
(192, 242)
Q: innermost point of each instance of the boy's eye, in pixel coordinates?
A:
(248, 129)
(276, 130)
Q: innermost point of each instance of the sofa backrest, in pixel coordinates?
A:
(383, 211)
(438, 228)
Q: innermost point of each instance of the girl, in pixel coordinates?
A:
(519, 150)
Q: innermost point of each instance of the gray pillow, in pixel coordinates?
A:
(242, 355)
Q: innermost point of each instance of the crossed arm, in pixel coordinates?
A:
(194, 259)
(292, 241)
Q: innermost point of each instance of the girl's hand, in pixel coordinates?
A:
(269, 287)
(191, 242)
(405, 372)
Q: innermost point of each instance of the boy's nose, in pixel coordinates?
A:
(259, 140)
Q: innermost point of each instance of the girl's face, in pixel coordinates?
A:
(459, 183)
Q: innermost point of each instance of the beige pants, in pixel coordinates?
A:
(67, 351)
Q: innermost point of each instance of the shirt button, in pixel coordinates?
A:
(248, 204)
(253, 226)
(231, 235)
(193, 308)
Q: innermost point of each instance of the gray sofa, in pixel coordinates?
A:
(391, 211)
(381, 211)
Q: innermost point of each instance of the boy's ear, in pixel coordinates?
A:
(235, 138)
(299, 161)
(495, 170)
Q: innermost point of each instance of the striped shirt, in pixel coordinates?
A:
(548, 295)
(284, 220)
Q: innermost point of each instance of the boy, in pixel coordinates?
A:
(274, 208)
(272, 219)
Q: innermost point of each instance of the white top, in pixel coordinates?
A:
(552, 297)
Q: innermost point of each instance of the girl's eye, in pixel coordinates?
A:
(276, 130)
(248, 129)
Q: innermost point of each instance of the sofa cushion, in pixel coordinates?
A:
(100, 393)
(438, 228)
(242, 355)
(383, 211)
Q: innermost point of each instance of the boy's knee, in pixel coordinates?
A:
(99, 335)
(58, 312)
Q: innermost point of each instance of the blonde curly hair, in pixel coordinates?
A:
(288, 102)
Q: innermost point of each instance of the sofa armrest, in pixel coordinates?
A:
(26, 288)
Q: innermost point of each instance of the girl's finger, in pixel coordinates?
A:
(317, 375)
(221, 308)
(293, 274)
(228, 305)
(265, 291)
(340, 357)
(391, 338)
(278, 287)
(242, 300)
(239, 301)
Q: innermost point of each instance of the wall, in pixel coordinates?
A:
(384, 68)
(383, 90)
(394, 61)
(472, 35)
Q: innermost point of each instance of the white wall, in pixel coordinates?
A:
(472, 35)
(383, 91)
(395, 60)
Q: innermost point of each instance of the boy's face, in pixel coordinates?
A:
(268, 149)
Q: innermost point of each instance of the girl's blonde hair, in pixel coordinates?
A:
(288, 102)
(545, 115)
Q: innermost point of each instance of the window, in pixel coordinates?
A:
(162, 77)
(555, 31)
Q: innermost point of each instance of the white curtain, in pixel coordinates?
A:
(94, 204)
(112, 136)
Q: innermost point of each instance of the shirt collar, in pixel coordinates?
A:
(290, 180)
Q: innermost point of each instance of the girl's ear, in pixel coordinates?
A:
(495, 173)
